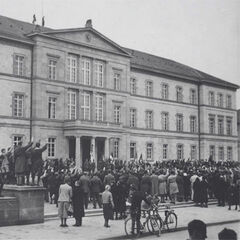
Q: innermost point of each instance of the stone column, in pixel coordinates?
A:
(93, 149)
(106, 150)
(78, 152)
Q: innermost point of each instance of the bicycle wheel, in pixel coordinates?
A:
(128, 226)
(153, 225)
(171, 221)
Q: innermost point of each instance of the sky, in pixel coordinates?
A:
(204, 34)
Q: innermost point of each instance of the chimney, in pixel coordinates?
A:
(88, 23)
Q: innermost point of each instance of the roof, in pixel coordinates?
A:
(20, 30)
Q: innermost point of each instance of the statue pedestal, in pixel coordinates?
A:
(30, 202)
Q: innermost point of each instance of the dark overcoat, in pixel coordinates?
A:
(78, 202)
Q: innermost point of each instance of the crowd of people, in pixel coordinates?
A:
(172, 180)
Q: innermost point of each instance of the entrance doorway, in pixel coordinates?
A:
(86, 145)
(100, 145)
(72, 147)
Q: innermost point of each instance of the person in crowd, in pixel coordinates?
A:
(78, 203)
(37, 162)
(135, 209)
(133, 180)
(197, 191)
(53, 187)
(221, 190)
(227, 234)
(64, 199)
(192, 180)
(197, 230)
(4, 164)
(162, 181)
(96, 186)
(186, 187)
(172, 186)
(233, 196)
(146, 183)
(21, 162)
(204, 192)
(154, 183)
(180, 183)
(85, 183)
(108, 205)
(109, 179)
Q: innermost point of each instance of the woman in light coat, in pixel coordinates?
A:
(162, 187)
(172, 186)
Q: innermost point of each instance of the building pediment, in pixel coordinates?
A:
(87, 36)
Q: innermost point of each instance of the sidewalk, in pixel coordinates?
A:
(93, 226)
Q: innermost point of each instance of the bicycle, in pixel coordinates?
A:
(153, 226)
(169, 222)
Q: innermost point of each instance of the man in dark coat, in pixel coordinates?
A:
(85, 183)
(78, 203)
(37, 162)
(146, 183)
(133, 180)
(96, 186)
(21, 162)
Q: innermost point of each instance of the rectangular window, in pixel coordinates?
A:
(220, 100)
(229, 154)
(133, 86)
(18, 65)
(211, 120)
(51, 147)
(117, 114)
(133, 150)
(211, 98)
(18, 105)
(71, 104)
(193, 96)
(221, 153)
(165, 121)
(149, 119)
(179, 151)
(86, 98)
(179, 94)
(179, 122)
(99, 108)
(52, 107)
(86, 71)
(212, 152)
(165, 151)
(193, 152)
(220, 125)
(229, 126)
(116, 149)
(149, 88)
(193, 124)
(132, 117)
(116, 81)
(229, 101)
(52, 66)
(99, 71)
(164, 91)
(17, 140)
(149, 152)
(72, 68)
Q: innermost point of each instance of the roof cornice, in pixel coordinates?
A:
(15, 39)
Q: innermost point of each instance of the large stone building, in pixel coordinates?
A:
(238, 129)
(89, 97)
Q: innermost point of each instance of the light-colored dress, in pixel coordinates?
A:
(172, 184)
(162, 187)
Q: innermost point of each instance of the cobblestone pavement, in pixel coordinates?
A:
(93, 226)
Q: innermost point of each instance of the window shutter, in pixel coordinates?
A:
(104, 108)
(95, 74)
(81, 111)
(81, 64)
(14, 65)
(68, 70)
(24, 66)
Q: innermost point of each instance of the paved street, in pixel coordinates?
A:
(93, 226)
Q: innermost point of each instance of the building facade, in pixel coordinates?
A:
(88, 97)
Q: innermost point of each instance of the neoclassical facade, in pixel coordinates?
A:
(88, 97)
